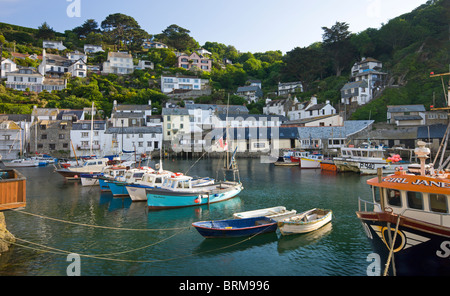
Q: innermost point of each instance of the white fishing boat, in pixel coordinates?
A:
(90, 166)
(305, 222)
(155, 179)
(366, 160)
(22, 162)
(312, 161)
(275, 213)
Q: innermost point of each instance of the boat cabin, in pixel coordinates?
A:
(351, 152)
(178, 182)
(112, 172)
(423, 198)
(96, 162)
(133, 175)
(155, 178)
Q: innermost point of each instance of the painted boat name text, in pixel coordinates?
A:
(418, 182)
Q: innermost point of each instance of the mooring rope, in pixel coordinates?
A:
(101, 257)
(97, 226)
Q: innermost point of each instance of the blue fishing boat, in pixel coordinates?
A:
(118, 186)
(235, 227)
(181, 192)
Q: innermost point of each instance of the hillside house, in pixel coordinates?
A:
(289, 88)
(357, 92)
(251, 93)
(153, 44)
(29, 78)
(7, 66)
(89, 48)
(279, 107)
(310, 109)
(171, 83)
(53, 45)
(118, 63)
(406, 115)
(194, 60)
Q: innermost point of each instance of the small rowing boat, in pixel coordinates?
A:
(235, 227)
(275, 213)
(305, 222)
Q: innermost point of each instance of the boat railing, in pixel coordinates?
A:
(376, 207)
(441, 219)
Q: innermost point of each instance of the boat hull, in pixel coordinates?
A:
(420, 249)
(158, 199)
(288, 227)
(118, 188)
(275, 213)
(306, 163)
(137, 192)
(235, 227)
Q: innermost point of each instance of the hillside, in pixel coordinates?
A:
(410, 47)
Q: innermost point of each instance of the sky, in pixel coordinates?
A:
(249, 25)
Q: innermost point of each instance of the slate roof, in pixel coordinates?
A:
(406, 108)
(355, 84)
(134, 130)
(241, 133)
(349, 128)
(435, 131)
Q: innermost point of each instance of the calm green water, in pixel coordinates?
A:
(175, 248)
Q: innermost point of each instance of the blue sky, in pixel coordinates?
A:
(249, 25)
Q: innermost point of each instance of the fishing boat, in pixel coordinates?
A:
(89, 166)
(111, 173)
(365, 160)
(407, 220)
(137, 190)
(297, 156)
(118, 185)
(328, 165)
(108, 173)
(180, 191)
(305, 222)
(22, 162)
(235, 227)
(275, 213)
(311, 161)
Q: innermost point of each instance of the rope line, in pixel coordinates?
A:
(96, 226)
(101, 257)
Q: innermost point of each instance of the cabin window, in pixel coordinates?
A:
(376, 194)
(158, 180)
(438, 203)
(394, 197)
(415, 200)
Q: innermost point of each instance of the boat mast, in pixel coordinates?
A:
(92, 127)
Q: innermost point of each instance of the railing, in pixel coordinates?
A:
(376, 207)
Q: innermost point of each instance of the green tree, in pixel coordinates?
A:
(178, 38)
(45, 31)
(123, 30)
(336, 41)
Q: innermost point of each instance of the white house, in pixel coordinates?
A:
(289, 87)
(279, 107)
(131, 115)
(247, 120)
(29, 78)
(356, 92)
(143, 140)
(142, 65)
(311, 109)
(7, 66)
(89, 48)
(10, 140)
(118, 63)
(153, 44)
(366, 64)
(87, 139)
(169, 83)
(53, 44)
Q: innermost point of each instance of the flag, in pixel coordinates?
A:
(223, 145)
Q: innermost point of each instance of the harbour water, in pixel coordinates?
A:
(131, 241)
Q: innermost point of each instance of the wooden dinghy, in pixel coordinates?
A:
(235, 227)
(305, 222)
(275, 213)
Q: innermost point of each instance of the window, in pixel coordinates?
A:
(40, 146)
(44, 137)
(376, 194)
(84, 134)
(65, 145)
(61, 136)
(52, 146)
(438, 203)
(415, 200)
(394, 197)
